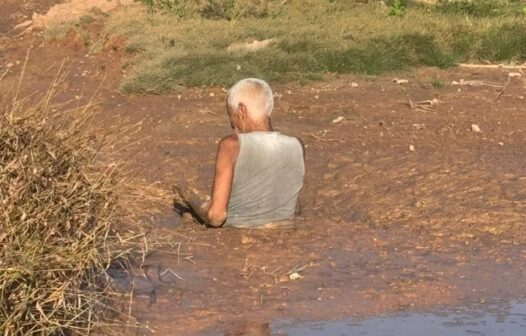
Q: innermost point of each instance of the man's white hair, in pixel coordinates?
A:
(255, 94)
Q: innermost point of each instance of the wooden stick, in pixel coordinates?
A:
(492, 66)
(501, 91)
(5, 73)
(325, 140)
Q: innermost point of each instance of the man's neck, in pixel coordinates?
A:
(262, 126)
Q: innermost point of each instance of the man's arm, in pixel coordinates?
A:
(227, 153)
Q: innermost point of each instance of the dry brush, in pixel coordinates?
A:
(60, 205)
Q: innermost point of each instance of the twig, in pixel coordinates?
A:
(297, 269)
(51, 67)
(501, 91)
(410, 103)
(169, 270)
(22, 74)
(476, 83)
(239, 15)
(190, 259)
(130, 304)
(245, 272)
(325, 140)
(4, 74)
(178, 253)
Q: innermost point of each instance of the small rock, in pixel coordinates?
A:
(338, 120)
(247, 240)
(475, 128)
(514, 75)
(238, 67)
(255, 45)
(187, 218)
(283, 278)
(212, 94)
(411, 148)
(295, 276)
(400, 81)
(10, 65)
(501, 143)
(353, 84)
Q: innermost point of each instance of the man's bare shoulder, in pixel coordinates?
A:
(229, 142)
(229, 147)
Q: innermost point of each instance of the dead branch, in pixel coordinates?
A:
(501, 91)
(325, 140)
(492, 66)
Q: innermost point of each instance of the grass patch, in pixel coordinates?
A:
(63, 30)
(438, 83)
(58, 32)
(504, 43)
(310, 38)
(481, 8)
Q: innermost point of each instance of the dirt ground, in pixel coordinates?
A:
(404, 208)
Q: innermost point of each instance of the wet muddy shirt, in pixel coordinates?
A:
(268, 177)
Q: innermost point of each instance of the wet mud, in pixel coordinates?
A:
(403, 209)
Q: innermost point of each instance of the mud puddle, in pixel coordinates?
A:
(494, 319)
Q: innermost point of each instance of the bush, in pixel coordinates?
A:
(57, 224)
(210, 9)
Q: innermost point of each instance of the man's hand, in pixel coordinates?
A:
(200, 208)
(193, 199)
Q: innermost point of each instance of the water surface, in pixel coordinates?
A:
(492, 319)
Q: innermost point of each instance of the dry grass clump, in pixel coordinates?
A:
(59, 208)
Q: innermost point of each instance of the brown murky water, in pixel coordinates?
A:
(404, 209)
(497, 318)
(494, 319)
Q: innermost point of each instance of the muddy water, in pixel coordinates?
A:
(384, 229)
(498, 319)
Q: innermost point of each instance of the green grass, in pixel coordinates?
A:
(60, 31)
(481, 8)
(169, 49)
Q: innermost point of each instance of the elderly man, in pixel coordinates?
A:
(258, 171)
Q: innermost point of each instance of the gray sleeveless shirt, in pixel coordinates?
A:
(268, 177)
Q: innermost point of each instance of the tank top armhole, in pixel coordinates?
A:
(239, 156)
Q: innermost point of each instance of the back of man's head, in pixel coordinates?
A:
(255, 94)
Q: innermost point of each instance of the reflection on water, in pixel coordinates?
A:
(489, 320)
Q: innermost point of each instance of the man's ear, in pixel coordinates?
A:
(242, 111)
